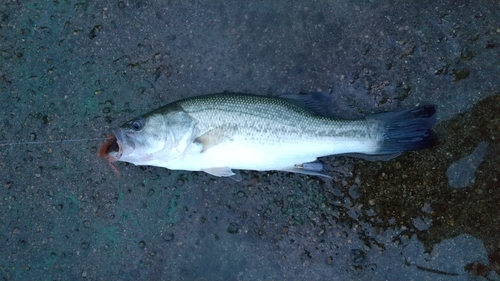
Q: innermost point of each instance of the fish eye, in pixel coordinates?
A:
(138, 124)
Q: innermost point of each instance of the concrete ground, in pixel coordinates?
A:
(70, 71)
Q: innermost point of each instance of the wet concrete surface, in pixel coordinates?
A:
(74, 70)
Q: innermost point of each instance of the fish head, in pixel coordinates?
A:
(141, 139)
(152, 139)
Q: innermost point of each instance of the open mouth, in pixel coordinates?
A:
(111, 150)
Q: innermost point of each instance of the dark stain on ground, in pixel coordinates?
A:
(400, 188)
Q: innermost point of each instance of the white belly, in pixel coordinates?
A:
(241, 154)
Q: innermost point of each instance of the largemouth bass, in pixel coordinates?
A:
(221, 132)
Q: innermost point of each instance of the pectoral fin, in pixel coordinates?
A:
(215, 136)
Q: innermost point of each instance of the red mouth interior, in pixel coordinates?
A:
(109, 146)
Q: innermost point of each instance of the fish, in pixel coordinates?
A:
(219, 133)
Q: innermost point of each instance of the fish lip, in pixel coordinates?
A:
(118, 133)
(121, 140)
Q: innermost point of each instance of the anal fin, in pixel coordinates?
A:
(310, 168)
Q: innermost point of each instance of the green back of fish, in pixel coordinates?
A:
(262, 116)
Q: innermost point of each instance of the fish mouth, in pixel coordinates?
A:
(111, 150)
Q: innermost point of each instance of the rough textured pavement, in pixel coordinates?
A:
(72, 70)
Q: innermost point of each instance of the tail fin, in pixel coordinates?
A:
(407, 130)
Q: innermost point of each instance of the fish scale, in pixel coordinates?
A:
(275, 116)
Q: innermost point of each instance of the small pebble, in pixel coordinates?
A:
(169, 236)
(142, 244)
(233, 228)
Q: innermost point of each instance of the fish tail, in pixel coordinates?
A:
(407, 130)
